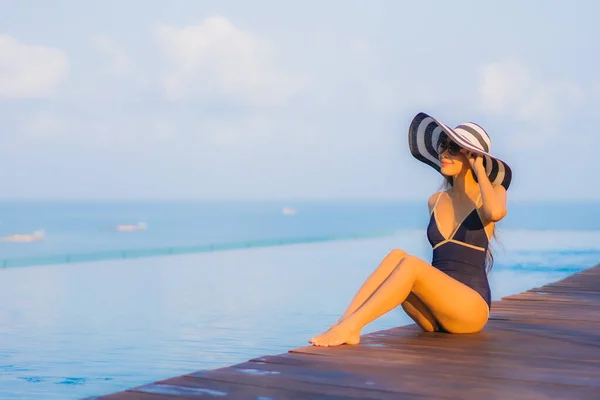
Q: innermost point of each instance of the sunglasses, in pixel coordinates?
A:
(453, 148)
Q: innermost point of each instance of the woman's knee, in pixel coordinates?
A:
(412, 260)
(397, 254)
(411, 263)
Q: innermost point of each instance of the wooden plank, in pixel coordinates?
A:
(128, 395)
(570, 373)
(594, 325)
(581, 334)
(551, 299)
(566, 290)
(285, 377)
(529, 346)
(490, 337)
(404, 382)
(195, 387)
(549, 304)
(391, 353)
(486, 334)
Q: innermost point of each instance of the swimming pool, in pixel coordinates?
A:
(75, 330)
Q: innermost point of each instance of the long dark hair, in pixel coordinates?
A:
(489, 257)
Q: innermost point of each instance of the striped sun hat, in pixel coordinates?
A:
(423, 135)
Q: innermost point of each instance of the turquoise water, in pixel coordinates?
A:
(73, 330)
(86, 231)
(89, 228)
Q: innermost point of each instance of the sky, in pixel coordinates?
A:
(267, 99)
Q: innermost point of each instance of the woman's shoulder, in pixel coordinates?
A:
(434, 198)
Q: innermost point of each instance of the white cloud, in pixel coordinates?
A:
(44, 124)
(502, 84)
(45, 129)
(508, 88)
(361, 48)
(119, 62)
(218, 58)
(255, 130)
(29, 71)
(534, 109)
(553, 101)
(594, 100)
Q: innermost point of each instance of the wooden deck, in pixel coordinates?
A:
(540, 344)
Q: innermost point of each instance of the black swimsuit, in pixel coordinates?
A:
(462, 255)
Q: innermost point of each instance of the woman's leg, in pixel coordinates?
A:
(413, 306)
(457, 307)
(381, 273)
(418, 312)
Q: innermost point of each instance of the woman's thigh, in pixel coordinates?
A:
(455, 306)
(418, 312)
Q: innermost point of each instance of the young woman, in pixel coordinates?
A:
(451, 294)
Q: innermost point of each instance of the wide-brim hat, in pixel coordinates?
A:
(423, 136)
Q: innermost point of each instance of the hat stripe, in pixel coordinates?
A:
(507, 176)
(417, 130)
(467, 138)
(482, 132)
(430, 132)
(494, 174)
(425, 131)
(419, 149)
(476, 135)
(501, 173)
(488, 165)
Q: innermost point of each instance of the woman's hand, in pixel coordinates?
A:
(476, 161)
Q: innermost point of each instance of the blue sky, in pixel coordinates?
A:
(268, 99)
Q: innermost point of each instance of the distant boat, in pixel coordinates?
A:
(140, 226)
(37, 235)
(288, 211)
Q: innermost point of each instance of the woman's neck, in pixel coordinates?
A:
(464, 185)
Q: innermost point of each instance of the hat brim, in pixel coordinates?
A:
(423, 135)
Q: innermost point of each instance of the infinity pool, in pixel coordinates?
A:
(75, 330)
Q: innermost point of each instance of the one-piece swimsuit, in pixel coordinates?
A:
(463, 254)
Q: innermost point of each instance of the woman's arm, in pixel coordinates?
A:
(494, 197)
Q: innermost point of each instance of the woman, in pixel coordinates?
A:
(451, 294)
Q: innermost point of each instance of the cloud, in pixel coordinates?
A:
(219, 59)
(532, 111)
(594, 98)
(119, 62)
(502, 84)
(509, 88)
(44, 124)
(29, 71)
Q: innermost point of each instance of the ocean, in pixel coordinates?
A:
(90, 310)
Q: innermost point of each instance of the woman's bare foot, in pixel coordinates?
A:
(337, 335)
(339, 321)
